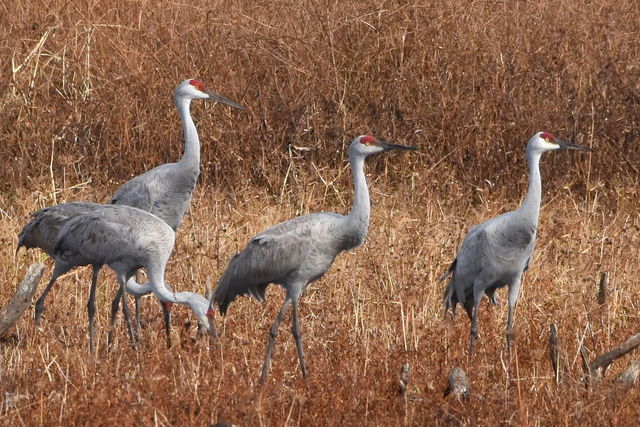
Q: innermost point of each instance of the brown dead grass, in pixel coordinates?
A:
(85, 103)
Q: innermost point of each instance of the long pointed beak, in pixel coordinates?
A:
(219, 98)
(571, 146)
(391, 146)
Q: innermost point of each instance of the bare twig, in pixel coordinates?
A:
(585, 363)
(602, 287)
(554, 350)
(404, 378)
(10, 314)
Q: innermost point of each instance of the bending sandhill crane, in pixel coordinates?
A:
(125, 239)
(497, 252)
(42, 231)
(295, 253)
(166, 190)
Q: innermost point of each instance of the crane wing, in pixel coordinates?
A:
(494, 250)
(41, 231)
(466, 267)
(135, 192)
(94, 238)
(270, 257)
(510, 242)
(164, 191)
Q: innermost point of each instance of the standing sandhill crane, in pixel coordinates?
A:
(42, 231)
(299, 251)
(166, 190)
(497, 252)
(125, 239)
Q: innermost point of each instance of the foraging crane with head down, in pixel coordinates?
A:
(42, 232)
(297, 252)
(122, 237)
(497, 252)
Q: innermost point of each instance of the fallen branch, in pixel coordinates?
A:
(10, 314)
(603, 361)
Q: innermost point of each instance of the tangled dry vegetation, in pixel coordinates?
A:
(85, 103)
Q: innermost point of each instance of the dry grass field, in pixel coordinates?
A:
(85, 104)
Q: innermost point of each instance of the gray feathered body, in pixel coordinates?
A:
(122, 237)
(293, 254)
(164, 191)
(493, 254)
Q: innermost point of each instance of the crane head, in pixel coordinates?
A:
(365, 145)
(544, 141)
(195, 89)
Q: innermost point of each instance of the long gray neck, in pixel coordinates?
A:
(358, 218)
(530, 208)
(191, 156)
(197, 303)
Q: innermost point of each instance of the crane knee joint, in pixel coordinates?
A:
(273, 331)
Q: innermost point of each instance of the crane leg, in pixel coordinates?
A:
(295, 330)
(514, 292)
(473, 331)
(273, 333)
(91, 306)
(40, 301)
(127, 315)
(115, 304)
(510, 329)
(137, 309)
(166, 316)
(139, 279)
(125, 310)
(477, 297)
(58, 271)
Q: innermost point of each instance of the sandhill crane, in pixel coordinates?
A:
(125, 239)
(497, 252)
(166, 190)
(42, 231)
(297, 252)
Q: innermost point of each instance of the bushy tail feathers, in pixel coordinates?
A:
(33, 236)
(234, 282)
